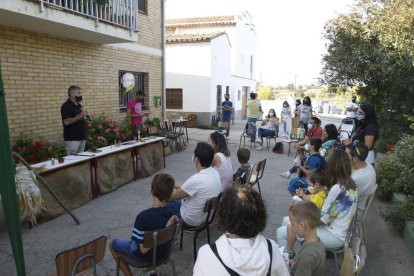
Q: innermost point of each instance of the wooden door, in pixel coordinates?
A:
(244, 103)
(218, 103)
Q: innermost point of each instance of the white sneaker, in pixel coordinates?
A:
(285, 174)
(259, 148)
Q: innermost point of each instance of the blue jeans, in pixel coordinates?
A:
(228, 127)
(253, 120)
(297, 183)
(125, 246)
(262, 132)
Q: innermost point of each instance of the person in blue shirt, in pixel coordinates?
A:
(161, 214)
(226, 109)
(314, 161)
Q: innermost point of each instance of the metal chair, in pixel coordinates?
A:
(81, 258)
(361, 220)
(244, 135)
(336, 252)
(210, 209)
(260, 166)
(269, 138)
(152, 239)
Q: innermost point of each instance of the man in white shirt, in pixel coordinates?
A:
(364, 174)
(198, 188)
(352, 108)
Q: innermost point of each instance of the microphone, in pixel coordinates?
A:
(87, 116)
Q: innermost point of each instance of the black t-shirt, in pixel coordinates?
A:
(77, 130)
(152, 219)
(360, 133)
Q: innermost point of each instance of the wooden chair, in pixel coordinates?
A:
(152, 239)
(81, 258)
(210, 209)
(255, 178)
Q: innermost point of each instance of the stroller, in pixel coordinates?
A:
(346, 128)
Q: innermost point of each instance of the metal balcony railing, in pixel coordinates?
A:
(122, 13)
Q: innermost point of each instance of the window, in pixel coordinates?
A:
(238, 95)
(251, 67)
(143, 6)
(140, 82)
(227, 90)
(174, 98)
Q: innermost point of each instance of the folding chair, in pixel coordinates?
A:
(152, 239)
(336, 252)
(269, 138)
(81, 258)
(260, 166)
(361, 220)
(210, 209)
(245, 135)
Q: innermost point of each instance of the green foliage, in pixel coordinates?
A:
(399, 214)
(207, 126)
(361, 54)
(38, 150)
(266, 93)
(152, 121)
(104, 131)
(396, 170)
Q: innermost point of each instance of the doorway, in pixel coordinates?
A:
(245, 90)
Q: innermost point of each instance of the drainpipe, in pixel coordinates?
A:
(164, 93)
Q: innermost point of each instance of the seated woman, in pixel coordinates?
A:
(270, 127)
(162, 214)
(222, 161)
(338, 209)
(366, 130)
(329, 137)
(242, 250)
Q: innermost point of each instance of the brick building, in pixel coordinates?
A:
(47, 45)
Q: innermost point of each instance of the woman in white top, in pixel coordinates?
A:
(222, 162)
(286, 116)
(338, 209)
(242, 250)
(270, 127)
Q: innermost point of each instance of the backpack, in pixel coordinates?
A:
(278, 148)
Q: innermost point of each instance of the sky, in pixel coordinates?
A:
(290, 43)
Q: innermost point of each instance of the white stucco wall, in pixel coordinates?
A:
(188, 66)
(220, 68)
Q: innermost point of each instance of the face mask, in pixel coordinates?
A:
(360, 117)
(306, 147)
(311, 189)
(310, 125)
(271, 114)
(78, 98)
(284, 105)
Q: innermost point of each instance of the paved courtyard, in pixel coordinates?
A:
(113, 215)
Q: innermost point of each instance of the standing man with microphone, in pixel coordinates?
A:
(74, 121)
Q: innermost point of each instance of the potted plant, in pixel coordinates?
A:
(152, 125)
(191, 119)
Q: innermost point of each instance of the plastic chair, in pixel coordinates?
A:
(81, 258)
(152, 239)
(210, 209)
(260, 166)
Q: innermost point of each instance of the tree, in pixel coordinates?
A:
(357, 56)
(266, 93)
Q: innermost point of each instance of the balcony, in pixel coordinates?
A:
(93, 21)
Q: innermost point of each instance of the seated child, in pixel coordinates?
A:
(313, 161)
(310, 259)
(243, 155)
(299, 132)
(300, 159)
(316, 188)
(160, 215)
